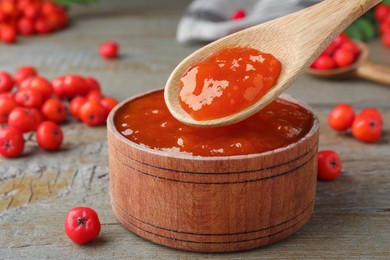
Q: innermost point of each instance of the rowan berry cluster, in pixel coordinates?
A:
(29, 17)
(38, 105)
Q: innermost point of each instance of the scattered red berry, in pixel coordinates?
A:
(75, 105)
(238, 14)
(74, 85)
(94, 94)
(23, 119)
(109, 50)
(109, 103)
(58, 87)
(54, 110)
(49, 136)
(24, 73)
(6, 82)
(27, 17)
(329, 165)
(372, 112)
(82, 225)
(382, 15)
(8, 34)
(367, 128)
(92, 83)
(7, 104)
(341, 117)
(93, 113)
(42, 85)
(29, 98)
(37, 100)
(25, 26)
(11, 142)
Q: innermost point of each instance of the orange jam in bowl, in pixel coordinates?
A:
(147, 122)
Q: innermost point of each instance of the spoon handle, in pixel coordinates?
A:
(374, 72)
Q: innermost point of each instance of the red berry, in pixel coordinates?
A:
(75, 85)
(51, 8)
(372, 112)
(343, 58)
(32, 11)
(54, 110)
(6, 82)
(367, 128)
(7, 104)
(29, 98)
(24, 73)
(238, 14)
(94, 94)
(82, 225)
(109, 103)
(59, 87)
(49, 136)
(340, 39)
(92, 83)
(8, 34)
(341, 117)
(381, 11)
(351, 46)
(324, 62)
(24, 119)
(25, 26)
(42, 26)
(42, 85)
(53, 21)
(37, 115)
(384, 27)
(75, 105)
(11, 142)
(93, 113)
(109, 50)
(329, 165)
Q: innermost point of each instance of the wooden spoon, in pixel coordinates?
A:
(296, 40)
(361, 68)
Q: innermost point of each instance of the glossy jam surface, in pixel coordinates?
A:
(227, 82)
(147, 121)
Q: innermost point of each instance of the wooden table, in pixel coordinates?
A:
(352, 213)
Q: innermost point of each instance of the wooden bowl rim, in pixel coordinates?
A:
(111, 127)
(364, 54)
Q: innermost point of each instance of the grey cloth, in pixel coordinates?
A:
(208, 20)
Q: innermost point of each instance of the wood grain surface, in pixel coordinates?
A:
(351, 218)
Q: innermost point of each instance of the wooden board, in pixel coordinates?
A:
(352, 214)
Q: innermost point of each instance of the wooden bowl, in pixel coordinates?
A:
(212, 204)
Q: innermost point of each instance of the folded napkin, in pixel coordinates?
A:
(208, 20)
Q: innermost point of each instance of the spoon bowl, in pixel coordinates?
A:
(295, 40)
(362, 68)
